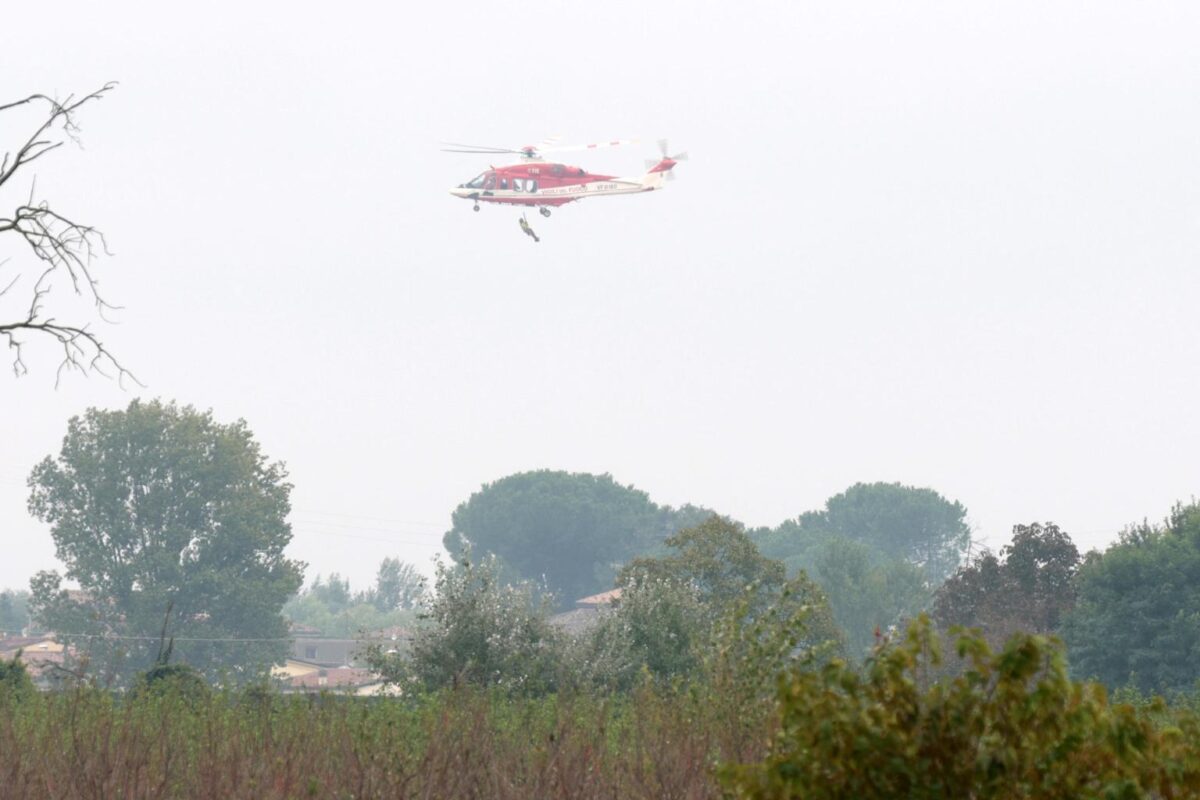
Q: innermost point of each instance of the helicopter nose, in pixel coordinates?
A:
(459, 191)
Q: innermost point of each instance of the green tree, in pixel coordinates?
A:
(481, 631)
(673, 607)
(398, 585)
(868, 596)
(1029, 587)
(901, 522)
(15, 682)
(1011, 725)
(14, 611)
(659, 626)
(333, 592)
(1136, 619)
(570, 532)
(159, 506)
(717, 557)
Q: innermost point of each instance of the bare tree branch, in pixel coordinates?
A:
(62, 245)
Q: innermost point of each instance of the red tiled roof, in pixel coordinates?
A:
(333, 677)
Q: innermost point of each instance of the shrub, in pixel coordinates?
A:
(14, 678)
(1011, 725)
(482, 632)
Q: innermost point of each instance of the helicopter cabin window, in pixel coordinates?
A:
(504, 183)
(490, 181)
(518, 184)
(531, 186)
(476, 183)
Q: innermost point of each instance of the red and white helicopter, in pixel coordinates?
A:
(537, 182)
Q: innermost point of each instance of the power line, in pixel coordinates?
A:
(373, 519)
(120, 637)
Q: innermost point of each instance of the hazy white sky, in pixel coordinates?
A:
(949, 244)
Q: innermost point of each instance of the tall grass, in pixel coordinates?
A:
(87, 743)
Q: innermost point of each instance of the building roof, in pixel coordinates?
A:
(31, 647)
(294, 668)
(333, 678)
(602, 599)
(303, 631)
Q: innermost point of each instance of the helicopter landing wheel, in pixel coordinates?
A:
(545, 212)
(477, 206)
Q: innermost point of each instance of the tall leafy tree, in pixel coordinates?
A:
(570, 532)
(398, 585)
(913, 524)
(158, 507)
(868, 596)
(673, 606)
(717, 557)
(332, 592)
(482, 631)
(1028, 587)
(1137, 612)
(14, 613)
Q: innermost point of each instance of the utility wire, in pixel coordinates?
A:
(119, 637)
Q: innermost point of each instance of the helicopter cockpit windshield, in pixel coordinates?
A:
(476, 183)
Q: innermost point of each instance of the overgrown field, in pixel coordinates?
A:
(907, 724)
(457, 744)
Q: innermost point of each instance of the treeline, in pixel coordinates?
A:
(877, 555)
(764, 663)
(329, 606)
(1004, 725)
(160, 507)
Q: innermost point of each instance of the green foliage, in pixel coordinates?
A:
(1028, 588)
(332, 593)
(569, 530)
(711, 585)
(158, 505)
(900, 522)
(15, 682)
(658, 629)
(876, 549)
(398, 586)
(178, 680)
(748, 649)
(1011, 725)
(329, 606)
(1011, 731)
(361, 617)
(1136, 620)
(717, 557)
(481, 632)
(14, 611)
(868, 598)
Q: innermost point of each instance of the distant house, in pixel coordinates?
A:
(304, 677)
(326, 652)
(39, 654)
(587, 613)
(309, 646)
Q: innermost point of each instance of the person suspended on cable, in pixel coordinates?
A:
(528, 230)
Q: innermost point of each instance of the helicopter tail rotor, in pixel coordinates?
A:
(666, 164)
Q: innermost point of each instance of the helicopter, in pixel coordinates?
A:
(536, 182)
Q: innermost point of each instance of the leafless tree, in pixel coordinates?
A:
(63, 250)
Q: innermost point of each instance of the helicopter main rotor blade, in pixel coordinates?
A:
(595, 146)
(455, 147)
